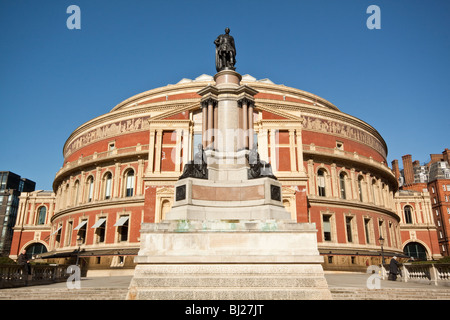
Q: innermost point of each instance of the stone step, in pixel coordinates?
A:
(226, 281)
(64, 294)
(196, 293)
(389, 294)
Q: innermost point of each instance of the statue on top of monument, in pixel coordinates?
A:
(225, 52)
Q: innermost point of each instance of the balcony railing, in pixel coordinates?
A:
(101, 156)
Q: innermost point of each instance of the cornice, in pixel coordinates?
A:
(89, 163)
(82, 208)
(341, 203)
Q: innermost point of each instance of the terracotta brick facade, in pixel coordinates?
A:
(125, 163)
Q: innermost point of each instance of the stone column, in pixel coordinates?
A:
(151, 152)
(245, 123)
(186, 146)
(334, 182)
(210, 125)
(178, 149)
(273, 156)
(204, 123)
(158, 151)
(312, 178)
(299, 151)
(292, 150)
(216, 123)
(139, 176)
(251, 141)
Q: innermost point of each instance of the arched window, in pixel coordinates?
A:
(416, 251)
(321, 183)
(34, 249)
(374, 193)
(408, 214)
(129, 183)
(42, 213)
(107, 183)
(90, 188)
(76, 193)
(342, 178)
(360, 189)
(165, 207)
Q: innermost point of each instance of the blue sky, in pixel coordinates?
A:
(53, 79)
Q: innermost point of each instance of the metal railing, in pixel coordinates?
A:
(12, 276)
(432, 273)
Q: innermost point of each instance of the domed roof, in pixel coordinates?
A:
(186, 85)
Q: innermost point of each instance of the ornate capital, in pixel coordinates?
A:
(208, 101)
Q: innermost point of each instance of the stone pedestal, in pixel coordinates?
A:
(247, 259)
(228, 236)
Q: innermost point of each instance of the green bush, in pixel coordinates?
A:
(6, 260)
(444, 260)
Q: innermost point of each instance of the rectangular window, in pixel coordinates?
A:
(100, 230)
(69, 233)
(81, 235)
(348, 225)
(380, 228)
(366, 228)
(3, 181)
(326, 227)
(122, 228)
(58, 237)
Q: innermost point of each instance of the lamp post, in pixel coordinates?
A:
(79, 242)
(381, 239)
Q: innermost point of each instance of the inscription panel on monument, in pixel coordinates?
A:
(180, 193)
(275, 192)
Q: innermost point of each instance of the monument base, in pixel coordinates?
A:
(254, 259)
(229, 282)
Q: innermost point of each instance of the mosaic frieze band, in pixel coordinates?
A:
(109, 130)
(343, 130)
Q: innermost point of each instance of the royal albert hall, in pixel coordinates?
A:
(120, 168)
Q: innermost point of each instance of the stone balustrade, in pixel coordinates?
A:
(12, 276)
(433, 273)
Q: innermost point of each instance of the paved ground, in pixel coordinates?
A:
(334, 279)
